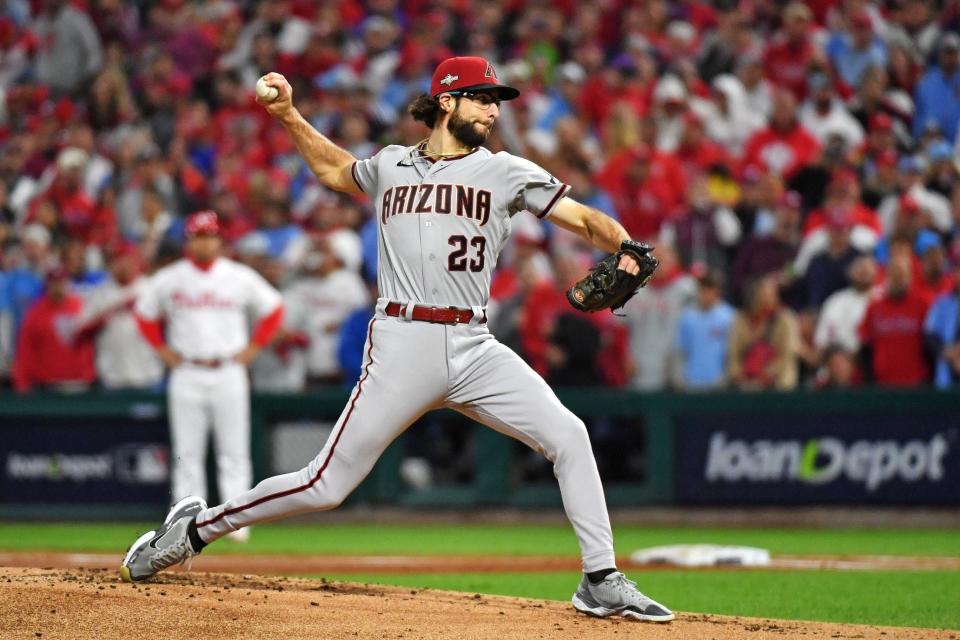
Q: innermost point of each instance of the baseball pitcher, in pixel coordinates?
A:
(444, 209)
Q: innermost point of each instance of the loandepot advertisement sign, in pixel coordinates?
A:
(85, 461)
(830, 459)
(824, 460)
(128, 463)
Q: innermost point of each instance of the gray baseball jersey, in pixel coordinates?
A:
(443, 224)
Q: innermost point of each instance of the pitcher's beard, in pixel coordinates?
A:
(467, 133)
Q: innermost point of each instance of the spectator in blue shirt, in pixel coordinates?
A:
(942, 336)
(25, 283)
(284, 240)
(368, 241)
(938, 94)
(586, 190)
(857, 50)
(83, 280)
(562, 98)
(353, 338)
(701, 342)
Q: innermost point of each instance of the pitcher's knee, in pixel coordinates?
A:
(324, 497)
(569, 439)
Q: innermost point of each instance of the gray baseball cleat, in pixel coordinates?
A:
(617, 595)
(167, 546)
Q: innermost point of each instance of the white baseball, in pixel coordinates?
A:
(265, 91)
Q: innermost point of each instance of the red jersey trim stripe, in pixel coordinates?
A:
(151, 330)
(333, 447)
(550, 205)
(268, 326)
(353, 174)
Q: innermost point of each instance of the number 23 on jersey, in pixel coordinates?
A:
(459, 260)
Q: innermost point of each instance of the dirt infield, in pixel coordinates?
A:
(301, 564)
(54, 604)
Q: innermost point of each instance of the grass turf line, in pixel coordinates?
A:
(474, 539)
(875, 597)
(895, 598)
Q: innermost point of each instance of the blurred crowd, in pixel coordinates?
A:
(795, 164)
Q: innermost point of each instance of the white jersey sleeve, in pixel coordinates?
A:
(263, 298)
(532, 188)
(149, 304)
(366, 173)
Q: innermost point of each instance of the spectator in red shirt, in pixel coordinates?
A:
(696, 152)
(79, 217)
(546, 303)
(628, 82)
(891, 333)
(784, 146)
(843, 192)
(644, 188)
(789, 54)
(543, 305)
(46, 352)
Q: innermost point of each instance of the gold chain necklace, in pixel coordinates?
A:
(422, 147)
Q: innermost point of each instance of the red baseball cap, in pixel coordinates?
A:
(881, 122)
(887, 158)
(908, 205)
(58, 273)
(468, 73)
(202, 223)
(861, 18)
(124, 250)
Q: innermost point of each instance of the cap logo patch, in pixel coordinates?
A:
(490, 73)
(449, 79)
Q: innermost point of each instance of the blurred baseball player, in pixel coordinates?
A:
(206, 300)
(443, 209)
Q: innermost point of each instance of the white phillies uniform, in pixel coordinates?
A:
(441, 228)
(207, 313)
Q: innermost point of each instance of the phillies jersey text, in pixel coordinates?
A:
(207, 309)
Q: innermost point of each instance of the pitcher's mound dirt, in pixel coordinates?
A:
(90, 603)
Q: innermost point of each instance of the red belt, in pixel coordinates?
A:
(441, 315)
(212, 363)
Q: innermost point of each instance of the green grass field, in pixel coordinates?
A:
(904, 598)
(464, 539)
(909, 599)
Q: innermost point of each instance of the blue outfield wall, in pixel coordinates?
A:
(107, 454)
